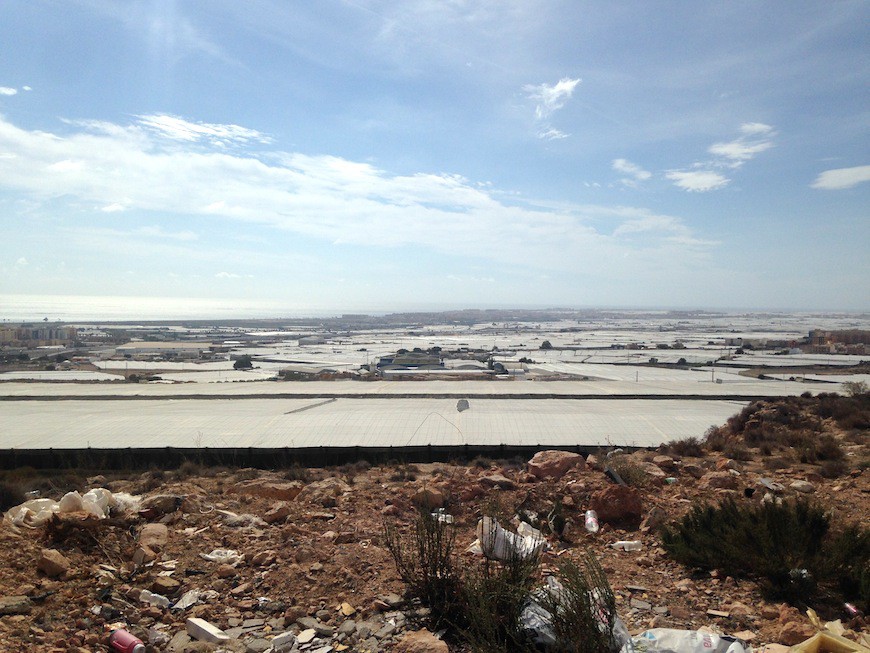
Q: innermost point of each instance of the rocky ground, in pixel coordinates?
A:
(310, 556)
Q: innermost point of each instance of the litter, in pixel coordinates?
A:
(154, 599)
(191, 597)
(669, 640)
(627, 545)
(223, 556)
(442, 516)
(496, 543)
(592, 521)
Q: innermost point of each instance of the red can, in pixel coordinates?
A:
(125, 642)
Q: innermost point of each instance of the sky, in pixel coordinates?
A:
(427, 154)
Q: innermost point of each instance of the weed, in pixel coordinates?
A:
(425, 563)
(690, 446)
(737, 452)
(10, 495)
(834, 468)
(630, 472)
(296, 472)
(786, 546)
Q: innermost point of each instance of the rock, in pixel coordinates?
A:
(277, 513)
(269, 489)
(653, 471)
(159, 505)
(262, 558)
(718, 480)
(693, 470)
(283, 641)
(306, 636)
(769, 612)
(52, 563)
(225, 571)
(804, 487)
(347, 627)
(593, 461)
(679, 612)
(665, 462)
(738, 609)
(166, 585)
(794, 632)
(178, 642)
(724, 464)
(258, 645)
(153, 537)
(347, 609)
(421, 641)
(310, 623)
(745, 635)
(428, 498)
(15, 605)
(203, 631)
(654, 518)
(617, 505)
(554, 463)
(324, 493)
(498, 481)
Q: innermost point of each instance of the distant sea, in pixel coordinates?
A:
(83, 308)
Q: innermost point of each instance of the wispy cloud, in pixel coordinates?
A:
(635, 172)
(697, 181)
(842, 178)
(755, 138)
(217, 134)
(549, 99)
(330, 198)
(5, 90)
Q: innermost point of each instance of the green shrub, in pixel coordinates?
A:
(629, 471)
(785, 546)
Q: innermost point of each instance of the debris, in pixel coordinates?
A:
(668, 640)
(498, 544)
(123, 641)
(223, 556)
(154, 599)
(591, 521)
(204, 631)
(189, 598)
(627, 545)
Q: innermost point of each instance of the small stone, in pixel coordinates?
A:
(745, 635)
(497, 481)
(738, 609)
(306, 636)
(166, 585)
(348, 627)
(794, 632)
(15, 605)
(719, 480)
(805, 487)
(385, 631)
(718, 613)
(640, 604)
(52, 563)
(262, 558)
(421, 641)
(428, 498)
(277, 513)
(347, 609)
(154, 536)
(225, 571)
(258, 645)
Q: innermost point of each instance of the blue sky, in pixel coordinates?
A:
(367, 155)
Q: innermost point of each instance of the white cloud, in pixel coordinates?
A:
(635, 172)
(113, 208)
(842, 178)
(697, 181)
(551, 134)
(26, 88)
(551, 98)
(324, 197)
(217, 134)
(21, 262)
(755, 138)
(227, 275)
(5, 90)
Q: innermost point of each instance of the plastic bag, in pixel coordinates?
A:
(498, 544)
(669, 640)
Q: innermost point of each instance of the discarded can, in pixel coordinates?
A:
(125, 642)
(627, 545)
(591, 521)
(671, 479)
(851, 609)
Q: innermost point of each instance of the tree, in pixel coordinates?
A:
(856, 388)
(243, 363)
(546, 345)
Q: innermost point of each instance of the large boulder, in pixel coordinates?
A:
(269, 488)
(618, 505)
(428, 498)
(554, 463)
(324, 493)
(718, 481)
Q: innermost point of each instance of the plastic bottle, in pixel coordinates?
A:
(125, 642)
(627, 545)
(591, 521)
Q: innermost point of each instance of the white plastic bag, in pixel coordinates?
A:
(669, 640)
(498, 544)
